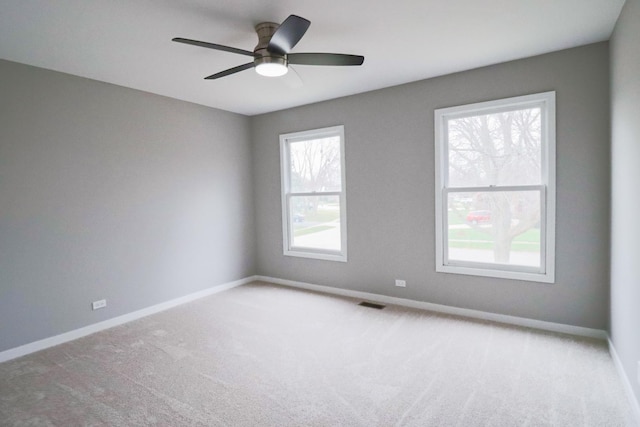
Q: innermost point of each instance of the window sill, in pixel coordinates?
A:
(502, 274)
(324, 256)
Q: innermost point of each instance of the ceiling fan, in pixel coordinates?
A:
(272, 56)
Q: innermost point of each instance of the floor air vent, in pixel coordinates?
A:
(372, 305)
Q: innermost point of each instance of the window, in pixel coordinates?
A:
(495, 188)
(314, 206)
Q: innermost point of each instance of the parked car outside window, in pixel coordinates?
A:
(476, 217)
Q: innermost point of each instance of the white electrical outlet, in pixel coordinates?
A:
(401, 283)
(99, 304)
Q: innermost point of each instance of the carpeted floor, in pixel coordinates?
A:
(263, 355)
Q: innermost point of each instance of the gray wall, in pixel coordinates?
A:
(625, 204)
(390, 189)
(108, 192)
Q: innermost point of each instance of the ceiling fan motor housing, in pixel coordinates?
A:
(265, 31)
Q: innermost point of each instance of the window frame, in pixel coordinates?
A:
(287, 194)
(546, 272)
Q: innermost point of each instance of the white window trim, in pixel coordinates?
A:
(548, 203)
(288, 249)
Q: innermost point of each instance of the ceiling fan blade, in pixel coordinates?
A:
(324, 59)
(288, 34)
(292, 79)
(213, 46)
(230, 71)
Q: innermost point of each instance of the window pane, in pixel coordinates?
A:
(315, 165)
(500, 227)
(495, 149)
(315, 222)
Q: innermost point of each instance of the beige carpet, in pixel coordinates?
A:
(263, 355)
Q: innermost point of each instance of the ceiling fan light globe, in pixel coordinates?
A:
(271, 69)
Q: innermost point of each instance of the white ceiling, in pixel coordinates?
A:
(128, 42)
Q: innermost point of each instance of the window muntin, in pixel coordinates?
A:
(313, 196)
(495, 188)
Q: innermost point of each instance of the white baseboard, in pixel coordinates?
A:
(110, 323)
(635, 406)
(476, 314)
